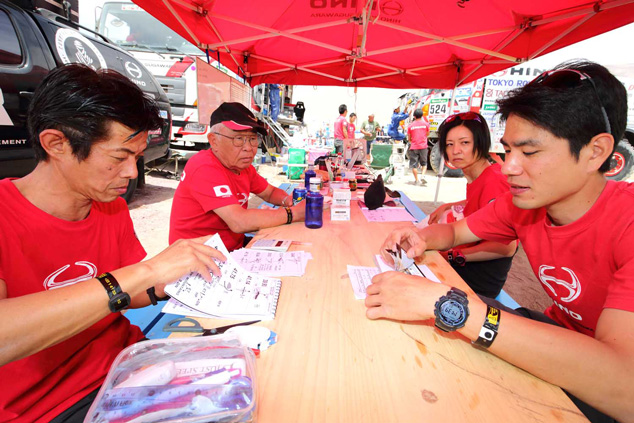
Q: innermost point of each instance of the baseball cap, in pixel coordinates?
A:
(237, 117)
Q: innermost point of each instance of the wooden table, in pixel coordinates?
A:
(332, 364)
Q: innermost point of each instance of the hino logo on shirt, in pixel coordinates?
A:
(51, 281)
(573, 287)
(222, 191)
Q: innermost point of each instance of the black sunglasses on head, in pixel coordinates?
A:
(563, 78)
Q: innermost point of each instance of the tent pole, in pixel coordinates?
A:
(441, 168)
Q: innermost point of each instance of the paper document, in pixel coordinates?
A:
(361, 278)
(387, 214)
(415, 269)
(272, 263)
(176, 307)
(236, 294)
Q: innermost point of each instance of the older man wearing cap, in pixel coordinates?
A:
(215, 185)
(369, 129)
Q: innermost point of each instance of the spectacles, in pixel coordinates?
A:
(464, 116)
(565, 78)
(240, 140)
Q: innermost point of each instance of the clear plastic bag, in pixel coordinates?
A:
(198, 379)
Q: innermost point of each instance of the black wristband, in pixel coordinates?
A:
(289, 215)
(151, 292)
(489, 330)
(117, 299)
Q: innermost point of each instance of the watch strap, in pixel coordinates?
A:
(117, 299)
(151, 293)
(489, 330)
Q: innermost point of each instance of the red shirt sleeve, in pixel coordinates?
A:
(258, 183)
(494, 222)
(131, 249)
(211, 188)
(621, 291)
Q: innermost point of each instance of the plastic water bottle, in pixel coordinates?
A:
(314, 210)
(309, 174)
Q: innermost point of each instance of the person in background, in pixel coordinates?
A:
(417, 132)
(370, 129)
(351, 125)
(465, 142)
(392, 129)
(69, 258)
(341, 128)
(213, 194)
(577, 229)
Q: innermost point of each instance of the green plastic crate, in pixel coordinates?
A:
(296, 156)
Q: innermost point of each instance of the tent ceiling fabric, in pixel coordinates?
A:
(383, 43)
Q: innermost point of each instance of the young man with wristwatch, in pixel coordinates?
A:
(69, 258)
(577, 229)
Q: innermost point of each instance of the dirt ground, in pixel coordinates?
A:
(151, 205)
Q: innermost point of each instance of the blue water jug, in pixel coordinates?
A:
(314, 210)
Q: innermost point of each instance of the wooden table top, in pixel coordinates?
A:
(332, 364)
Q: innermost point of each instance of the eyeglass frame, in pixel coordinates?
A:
(468, 115)
(258, 138)
(540, 79)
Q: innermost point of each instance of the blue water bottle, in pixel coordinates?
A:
(309, 174)
(314, 210)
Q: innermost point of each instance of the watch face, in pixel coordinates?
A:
(452, 313)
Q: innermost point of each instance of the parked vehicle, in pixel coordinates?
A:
(172, 61)
(481, 95)
(32, 43)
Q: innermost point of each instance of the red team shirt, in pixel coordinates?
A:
(418, 131)
(585, 266)
(340, 123)
(40, 252)
(490, 185)
(207, 185)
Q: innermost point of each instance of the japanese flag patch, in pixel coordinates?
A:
(222, 191)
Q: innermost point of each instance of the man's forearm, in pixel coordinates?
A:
(438, 237)
(280, 197)
(587, 368)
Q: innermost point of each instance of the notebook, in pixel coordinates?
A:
(237, 294)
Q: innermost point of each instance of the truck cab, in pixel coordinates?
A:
(32, 43)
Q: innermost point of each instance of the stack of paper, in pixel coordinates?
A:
(236, 294)
(361, 276)
(272, 263)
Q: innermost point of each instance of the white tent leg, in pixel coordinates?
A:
(441, 170)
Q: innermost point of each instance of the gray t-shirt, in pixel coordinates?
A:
(371, 127)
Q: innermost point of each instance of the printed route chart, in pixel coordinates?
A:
(236, 294)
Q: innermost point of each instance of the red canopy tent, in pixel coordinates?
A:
(383, 43)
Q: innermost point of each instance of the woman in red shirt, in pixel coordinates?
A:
(465, 141)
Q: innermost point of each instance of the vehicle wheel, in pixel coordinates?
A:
(622, 162)
(449, 170)
(131, 188)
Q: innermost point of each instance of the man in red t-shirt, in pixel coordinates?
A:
(341, 128)
(577, 229)
(417, 132)
(63, 227)
(213, 194)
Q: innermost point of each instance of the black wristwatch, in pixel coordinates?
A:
(117, 299)
(452, 310)
(456, 257)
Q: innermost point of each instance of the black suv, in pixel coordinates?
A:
(35, 41)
